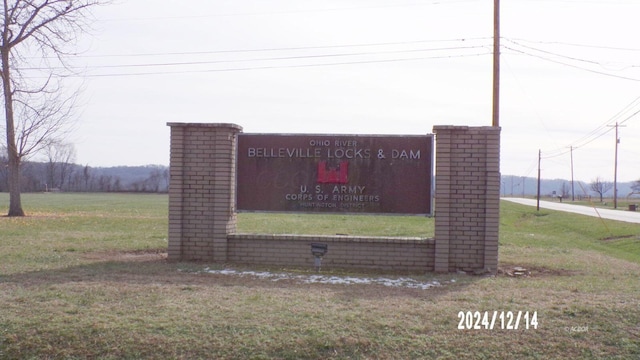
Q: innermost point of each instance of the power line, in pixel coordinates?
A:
(602, 47)
(302, 48)
(609, 121)
(296, 48)
(267, 67)
(275, 58)
(598, 132)
(462, 47)
(554, 54)
(571, 65)
(567, 57)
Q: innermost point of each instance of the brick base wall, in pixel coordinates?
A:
(382, 253)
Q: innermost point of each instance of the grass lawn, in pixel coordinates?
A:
(85, 276)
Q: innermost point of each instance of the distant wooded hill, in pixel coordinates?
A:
(527, 186)
(52, 176)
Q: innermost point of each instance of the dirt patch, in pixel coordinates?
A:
(525, 271)
(138, 255)
(620, 237)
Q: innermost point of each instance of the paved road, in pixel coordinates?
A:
(620, 215)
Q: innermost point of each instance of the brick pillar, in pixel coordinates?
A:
(467, 198)
(202, 190)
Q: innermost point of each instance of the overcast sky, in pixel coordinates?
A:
(570, 69)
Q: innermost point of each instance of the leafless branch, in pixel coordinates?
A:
(37, 109)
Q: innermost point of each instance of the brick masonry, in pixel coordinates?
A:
(467, 198)
(202, 215)
(393, 254)
(201, 190)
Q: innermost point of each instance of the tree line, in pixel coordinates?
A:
(562, 188)
(70, 177)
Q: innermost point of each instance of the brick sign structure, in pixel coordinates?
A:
(335, 173)
(203, 204)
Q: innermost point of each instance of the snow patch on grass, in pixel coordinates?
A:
(331, 279)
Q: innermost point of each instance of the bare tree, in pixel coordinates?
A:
(635, 187)
(60, 158)
(34, 38)
(600, 186)
(565, 190)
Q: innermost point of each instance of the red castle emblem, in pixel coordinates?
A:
(339, 175)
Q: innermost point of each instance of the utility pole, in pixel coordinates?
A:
(538, 197)
(573, 197)
(615, 169)
(496, 63)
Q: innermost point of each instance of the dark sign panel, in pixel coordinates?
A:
(335, 173)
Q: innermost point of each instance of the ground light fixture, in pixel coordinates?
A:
(318, 250)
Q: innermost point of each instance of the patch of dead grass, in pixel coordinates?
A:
(128, 256)
(620, 237)
(528, 270)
